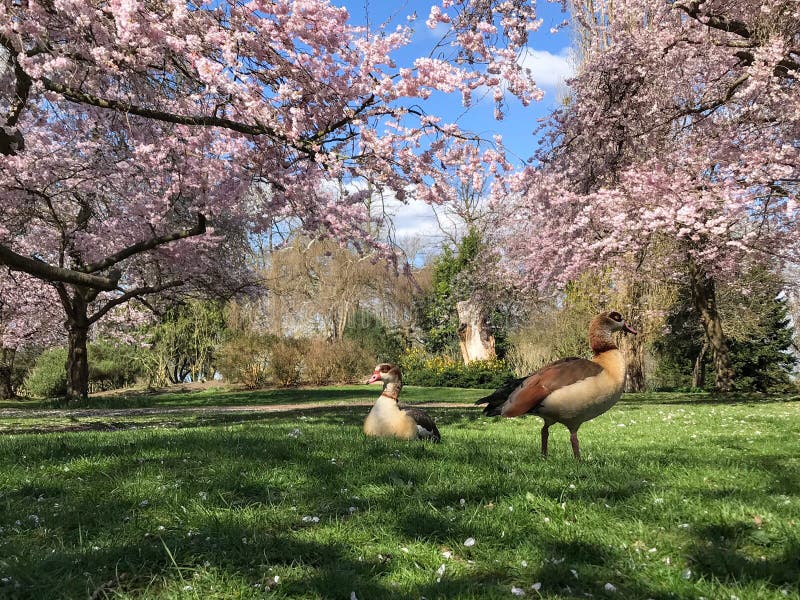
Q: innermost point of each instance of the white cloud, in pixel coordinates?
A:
(414, 219)
(549, 70)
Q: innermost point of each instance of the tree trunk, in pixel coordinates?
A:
(6, 373)
(633, 346)
(633, 349)
(705, 301)
(474, 338)
(77, 357)
(699, 371)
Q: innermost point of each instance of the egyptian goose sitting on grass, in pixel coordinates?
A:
(571, 390)
(388, 419)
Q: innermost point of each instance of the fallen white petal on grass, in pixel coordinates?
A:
(310, 519)
(610, 587)
(517, 591)
(537, 586)
(447, 554)
(469, 542)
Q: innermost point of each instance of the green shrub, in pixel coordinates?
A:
(48, 378)
(444, 371)
(286, 360)
(244, 358)
(339, 361)
(350, 362)
(372, 336)
(112, 365)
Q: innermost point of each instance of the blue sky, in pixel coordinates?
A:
(547, 56)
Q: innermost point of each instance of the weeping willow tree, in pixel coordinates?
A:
(184, 343)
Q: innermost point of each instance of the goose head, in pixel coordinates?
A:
(613, 321)
(603, 326)
(386, 373)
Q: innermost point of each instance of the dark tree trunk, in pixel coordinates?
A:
(705, 302)
(699, 371)
(6, 373)
(77, 357)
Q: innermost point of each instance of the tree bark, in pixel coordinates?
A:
(474, 338)
(77, 357)
(6, 373)
(705, 302)
(633, 348)
(699, 371)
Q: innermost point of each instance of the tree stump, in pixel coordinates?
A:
(474, 338)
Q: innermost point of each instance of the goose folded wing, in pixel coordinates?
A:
(425, 424)
(535, 388)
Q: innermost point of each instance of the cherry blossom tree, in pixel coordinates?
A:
(678, 147)
(137, 137)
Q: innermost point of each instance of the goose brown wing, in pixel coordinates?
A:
(532, 390)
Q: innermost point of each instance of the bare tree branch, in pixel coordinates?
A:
(134, 293)
(721, 22)
(149, 244)
(42, 270)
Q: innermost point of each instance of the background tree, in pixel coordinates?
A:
(315, 286)
(183, 343)
(682, 126)
(755, 311)
(452, 274)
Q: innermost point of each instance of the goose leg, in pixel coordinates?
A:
(545, 435)
(573, 438)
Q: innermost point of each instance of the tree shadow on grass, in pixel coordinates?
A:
(718, 552)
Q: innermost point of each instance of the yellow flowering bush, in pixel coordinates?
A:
(442, 370)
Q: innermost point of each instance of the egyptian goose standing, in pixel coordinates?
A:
(388, 419)
(571, 390)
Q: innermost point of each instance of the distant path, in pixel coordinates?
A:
(189, 410)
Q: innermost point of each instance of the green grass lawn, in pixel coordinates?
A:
(679, 497)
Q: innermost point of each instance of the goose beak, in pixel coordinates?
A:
(376, 376)
(628, 329)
